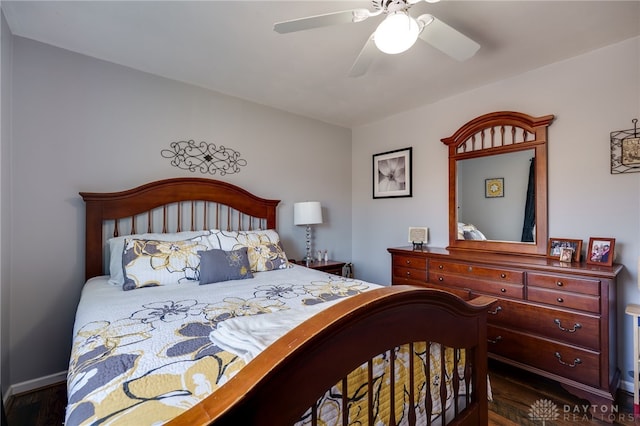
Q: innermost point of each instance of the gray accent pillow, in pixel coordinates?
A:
(220, 265)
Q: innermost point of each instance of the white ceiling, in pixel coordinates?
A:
(230, 47)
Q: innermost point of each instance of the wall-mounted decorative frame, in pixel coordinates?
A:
(204, 157)
(601, 251)
(494, 188)
(392, 174)
(625, 150)
(555, 246)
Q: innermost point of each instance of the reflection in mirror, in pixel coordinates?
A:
(500, 217)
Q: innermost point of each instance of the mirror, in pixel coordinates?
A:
(495, 186)
(498, 184)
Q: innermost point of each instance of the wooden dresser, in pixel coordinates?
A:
(554, 319)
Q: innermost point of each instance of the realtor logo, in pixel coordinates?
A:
(543, 410)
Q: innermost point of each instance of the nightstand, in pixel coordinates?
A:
(330, 266)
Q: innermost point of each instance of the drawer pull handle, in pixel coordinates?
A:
(575, 328)
(496, 340)
(408, 262)
(440, 278)
(495, 311)
(559, 283)
(408, 273)
(503, 275)
(560, 299)
(440, 266)
(503, 290)
(573, 365)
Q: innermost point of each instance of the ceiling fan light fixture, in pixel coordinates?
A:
(397, 33)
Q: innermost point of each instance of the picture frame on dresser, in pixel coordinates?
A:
(555, 246)
(566, 254)
(392, 174)
(601, 251)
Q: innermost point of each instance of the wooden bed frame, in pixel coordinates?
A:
(286, 379)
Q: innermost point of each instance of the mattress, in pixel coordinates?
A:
(148, 354)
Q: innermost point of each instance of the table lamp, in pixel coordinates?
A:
(307, 213)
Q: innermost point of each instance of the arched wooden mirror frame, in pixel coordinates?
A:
(500, 133)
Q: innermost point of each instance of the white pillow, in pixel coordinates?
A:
(148, 263)
(116, 247)
(265, 250)
(470, 232)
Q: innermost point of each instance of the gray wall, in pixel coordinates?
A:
(81, 124)
(591, 95)
(5, 218)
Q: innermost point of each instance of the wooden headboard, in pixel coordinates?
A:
(170, 205)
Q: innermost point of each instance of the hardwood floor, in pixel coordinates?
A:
(42, 407)
(515, 393)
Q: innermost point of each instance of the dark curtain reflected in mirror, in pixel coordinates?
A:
(530, 206)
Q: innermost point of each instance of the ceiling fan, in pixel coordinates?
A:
(395, 34)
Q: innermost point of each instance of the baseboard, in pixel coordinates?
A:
(30, 385)
(626, 386)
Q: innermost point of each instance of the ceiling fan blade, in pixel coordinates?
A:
(344, 17)
(364, 59)
(418, 1)
(447, 39)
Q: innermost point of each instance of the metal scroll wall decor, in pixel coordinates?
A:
(204, 157)
(625, 150)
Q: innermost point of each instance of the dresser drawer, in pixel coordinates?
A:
(409, 275)
(410, 262)
(460, 292)
(564, 299)
(568, 327)
(472, 283)
(566, 283)
(497, 274)
(574, 363)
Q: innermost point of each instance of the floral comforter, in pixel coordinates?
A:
(147, 354)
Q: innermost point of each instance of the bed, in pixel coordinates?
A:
(192, 315)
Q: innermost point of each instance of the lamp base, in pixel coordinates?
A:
(308, 259)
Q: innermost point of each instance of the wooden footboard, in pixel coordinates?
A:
(287, 380)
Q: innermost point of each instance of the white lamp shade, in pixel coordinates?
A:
(307, 213)
(397, 33)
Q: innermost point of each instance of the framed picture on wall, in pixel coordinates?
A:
(601, 251)
(392, 174)
(630, 151)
